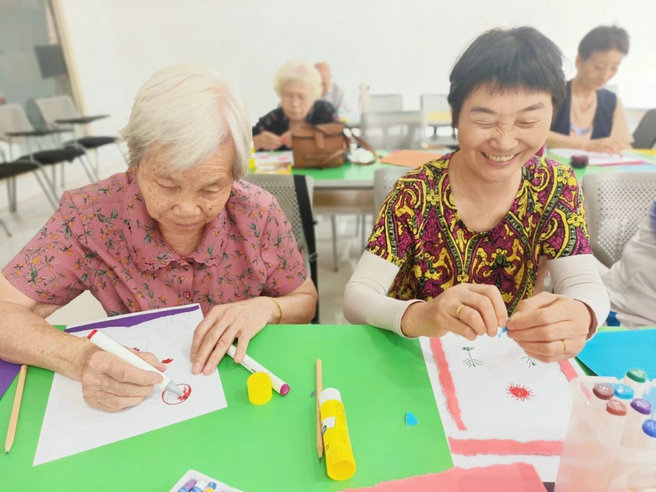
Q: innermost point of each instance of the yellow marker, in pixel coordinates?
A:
(340, 462)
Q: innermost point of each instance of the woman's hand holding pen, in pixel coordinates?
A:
(550, 327)
(111, 384)
(225, 322)
(468, 310)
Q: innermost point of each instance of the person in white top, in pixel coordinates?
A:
(458, 243)
(631, 280)
(330, 91)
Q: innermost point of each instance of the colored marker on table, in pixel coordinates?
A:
(188, 486)
(110, 345)
(502, 331)
(252, 366)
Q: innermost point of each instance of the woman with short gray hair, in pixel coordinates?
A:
(298, 84)
(178, 227)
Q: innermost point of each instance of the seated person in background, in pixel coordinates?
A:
(298, 84)
(330, 91)
(592, 118)
(457, 243)
(178, 227)
(631, 280)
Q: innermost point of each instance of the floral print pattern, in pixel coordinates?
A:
(419, 230)
(102, 239)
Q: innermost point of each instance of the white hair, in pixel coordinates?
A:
(298, 71)
(186, 112)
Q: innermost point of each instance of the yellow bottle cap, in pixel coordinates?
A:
(259, 388)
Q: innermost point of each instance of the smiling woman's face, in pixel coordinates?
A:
(183, 201)
(499, 131)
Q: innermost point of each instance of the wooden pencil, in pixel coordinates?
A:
(318, 384)
(15, 410)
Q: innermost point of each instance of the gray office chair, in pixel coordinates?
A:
(385, 102)
(615, 204)
(59, 112)
(391, 130)
(384, 181)
(644, 136)
(17, 131)
(294, 194)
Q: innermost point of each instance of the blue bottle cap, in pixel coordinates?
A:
(649, 427)
(641, 405)
(623, 392)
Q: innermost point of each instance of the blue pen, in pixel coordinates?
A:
(188, 486)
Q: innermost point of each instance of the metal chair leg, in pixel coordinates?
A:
(4, 226)
(333, 225)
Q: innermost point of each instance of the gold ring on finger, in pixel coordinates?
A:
(458, 310)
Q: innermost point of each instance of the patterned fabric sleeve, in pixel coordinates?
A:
(281, 254)
(51, 267)
(399, 220)
(563, 231)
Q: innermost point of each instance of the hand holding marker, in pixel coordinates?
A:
(113, 347)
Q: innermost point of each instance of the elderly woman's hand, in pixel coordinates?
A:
(267, 141)
(550, 327)
(111, 384)
(468, 310)
(242, 320)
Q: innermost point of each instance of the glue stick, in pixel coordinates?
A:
(340, 462)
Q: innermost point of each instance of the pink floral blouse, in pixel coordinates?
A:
(419, 230)
(102, 239)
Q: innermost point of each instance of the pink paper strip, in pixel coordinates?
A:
(469, 447)
(446, 381)
(495, 478)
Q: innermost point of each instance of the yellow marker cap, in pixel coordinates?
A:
(259, 388)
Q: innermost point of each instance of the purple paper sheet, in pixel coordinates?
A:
(9, 371)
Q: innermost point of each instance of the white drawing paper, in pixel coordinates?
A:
(71, 426)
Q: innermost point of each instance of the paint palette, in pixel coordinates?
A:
(198, 477)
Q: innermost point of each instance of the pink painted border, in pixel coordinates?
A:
(446, 381)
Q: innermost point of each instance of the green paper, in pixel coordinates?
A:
(269, 447)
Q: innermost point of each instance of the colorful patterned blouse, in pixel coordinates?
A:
(102, 239)
(419, 230)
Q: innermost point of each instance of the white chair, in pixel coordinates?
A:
(385, 102)
(615, 204)
(384, 180)
(436, 114)
(392, 129)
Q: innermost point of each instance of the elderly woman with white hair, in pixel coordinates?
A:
(298, 84)
(178, 227)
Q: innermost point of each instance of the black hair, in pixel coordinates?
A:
(519, 58)
(604, 38)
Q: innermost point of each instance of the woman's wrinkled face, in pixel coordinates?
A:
(296, 100)
(596, 70)
(499, 131)
(182, 201)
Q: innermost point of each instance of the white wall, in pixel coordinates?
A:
(394, 46)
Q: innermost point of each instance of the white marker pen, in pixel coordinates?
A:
(278, 384)
(113, 347)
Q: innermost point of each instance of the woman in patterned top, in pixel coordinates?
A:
(298, 84)
(178, 227)
(458, 243)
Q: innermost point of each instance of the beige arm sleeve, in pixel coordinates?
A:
(365, 296)
(578, 277)
(620, 129)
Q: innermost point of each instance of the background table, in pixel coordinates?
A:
(272, 447)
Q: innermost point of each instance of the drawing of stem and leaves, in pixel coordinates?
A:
(530, 361)
(470, 361)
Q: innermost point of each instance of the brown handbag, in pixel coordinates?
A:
(324, 145)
